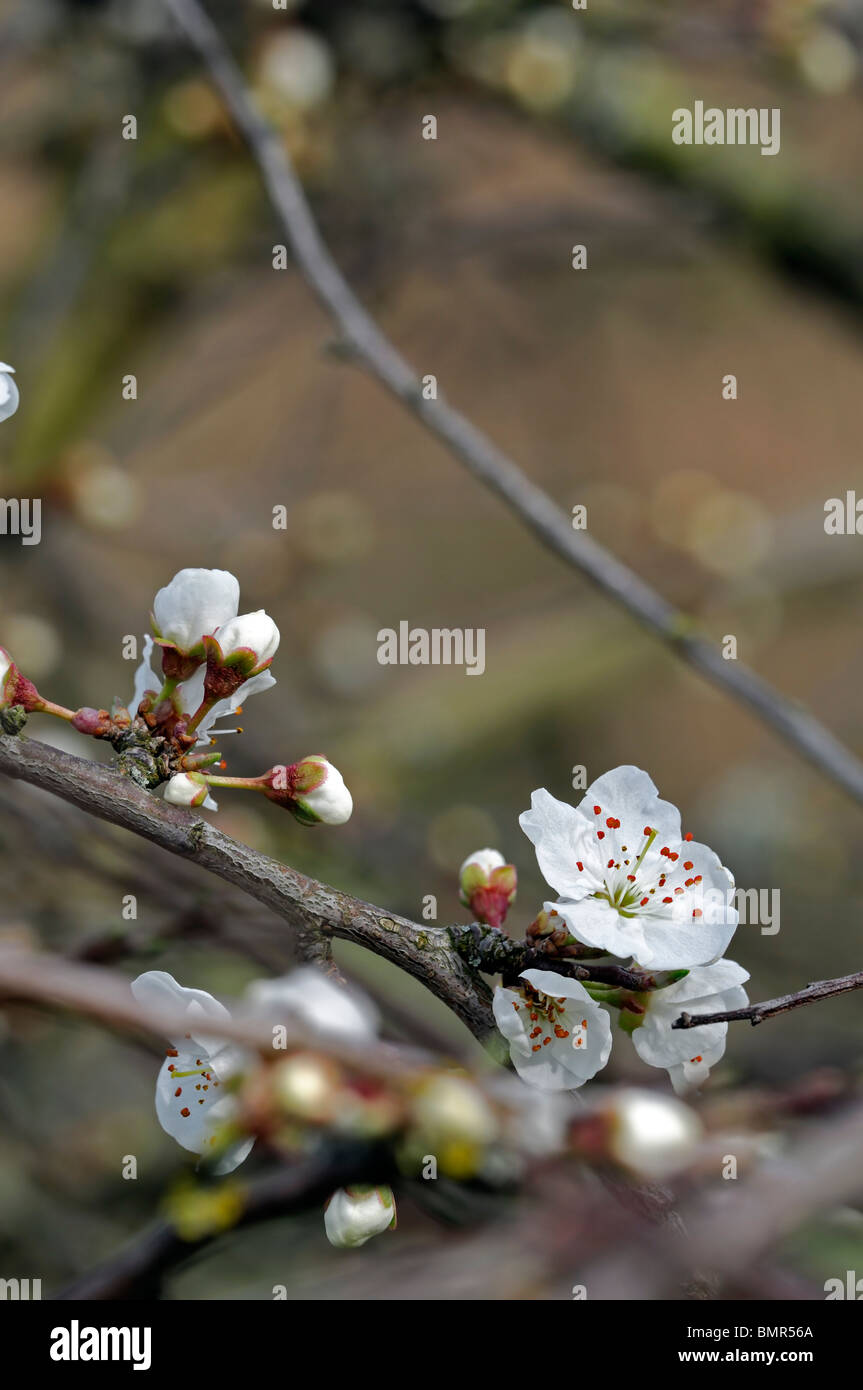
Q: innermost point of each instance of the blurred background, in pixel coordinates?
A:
(154, 258)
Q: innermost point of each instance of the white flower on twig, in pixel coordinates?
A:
(558, 1036)
(190, 1089)
(630, 882)
(687, 1054)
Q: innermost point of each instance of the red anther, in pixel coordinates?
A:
(687, 863)
(597, 810)
(688, 836)
(696, 912)
(644, 902)
(600, 834)
(668, 900)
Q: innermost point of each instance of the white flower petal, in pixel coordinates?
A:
(306, 997)
(145, 677)
(9, 397)
(555, 828)
(195, 603)
(257, 631)
(561, 1063)
(159, 990)
(689, 1053)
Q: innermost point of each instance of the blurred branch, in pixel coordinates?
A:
(312, 909)
(137, 1271)
(363, 342)
(757, 1013)
(744, 1221)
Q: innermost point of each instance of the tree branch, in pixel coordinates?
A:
(137, 1271)
(367, 345)
(757, 1013)
(307, 906)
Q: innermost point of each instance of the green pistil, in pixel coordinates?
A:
(650, 838)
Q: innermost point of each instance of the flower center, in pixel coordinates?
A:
(547, 1019)
(625, 881)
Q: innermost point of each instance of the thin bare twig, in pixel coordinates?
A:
(364, 343)
(757, 1013)
(307, 906)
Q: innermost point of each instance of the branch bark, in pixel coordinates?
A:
(366, 344)
(310, 908)
(757, 1013)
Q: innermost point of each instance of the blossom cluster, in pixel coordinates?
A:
(631, 886)
(202, 661)
(216, 1099)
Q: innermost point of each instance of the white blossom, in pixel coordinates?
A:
(558, 1036)
(315, 1005)
(191, 1083)
(688, 1053)
(629, 882)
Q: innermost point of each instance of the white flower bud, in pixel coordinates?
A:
(331, 802)
(5, 665)
(255, 631)
(8, 392)
(652, 1135)
(355, 1214)
(194, 605)
(450, 1107)
(187, 789)
(312, 790)
(486, 859)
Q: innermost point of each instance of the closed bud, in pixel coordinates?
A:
(650, 1134)
(187, 789)
(312, 790)
(241, 648)
(308, 1087)
(15, 689)
(95, 722)
(487, 885)
(195, 603)
(355, 1214)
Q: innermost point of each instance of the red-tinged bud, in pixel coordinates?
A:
(15, 689)
(241, 648)
(95, 722)
(541, 927)
(487, 885)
